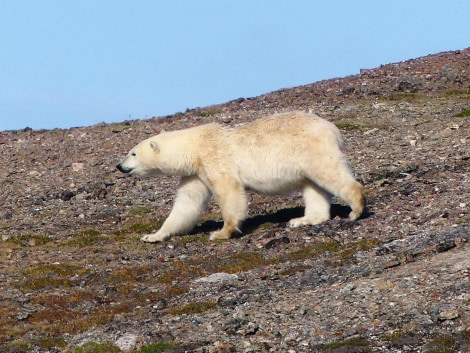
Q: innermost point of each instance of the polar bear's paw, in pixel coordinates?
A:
(155, 237)
(220, 235)
(304, 221)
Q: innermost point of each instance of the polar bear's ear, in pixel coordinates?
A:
(154, 146)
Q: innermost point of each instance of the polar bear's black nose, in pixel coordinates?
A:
(122, 169)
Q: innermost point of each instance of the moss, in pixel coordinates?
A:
(53, 275)
(402, 96)
(354, 248)
(266, 225)
(193, 308)
(176, 290)
(314, 250)
(294, 269)
(140, 228)
(397, 335)
(128, 274)
(442, 344)
(346, 126)
(85, 238)
(466, 336)
(240, 262)
(95, 347)
(207, 113)
(29, 240)
(9, 328)
(118, 127)
(53, 315)
(185, 239)
(14, 347)
(352, 342)
(141, 210)
(63, 301)
(463, 220)
(463, 114)
(155, 348)
(399, 339)
(458, 92)
(85, 322)
(57, 269)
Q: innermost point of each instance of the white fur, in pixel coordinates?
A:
(189, 204)
(273, 155)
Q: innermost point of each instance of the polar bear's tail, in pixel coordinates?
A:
(339, 138)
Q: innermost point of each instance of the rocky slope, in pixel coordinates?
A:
(75, 277)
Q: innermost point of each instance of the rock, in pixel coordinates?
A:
(274, 243)
(445, 245)
(126, 342)
(23, 315)
(77, 167)
(348, 288)
(217, 277)
(444, 312)
(232, 326)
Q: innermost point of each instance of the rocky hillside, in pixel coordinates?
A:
(76, 278)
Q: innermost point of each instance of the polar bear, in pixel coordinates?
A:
(272, 155)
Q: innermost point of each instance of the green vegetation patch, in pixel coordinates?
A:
(207, 113)
(458, 92)
(316, 249)
(128, 274)
(138, 228)
(348, 126)
(14, 347)
(155, 347)
(403, 96)
(95, 347)
(185, 239)
(29, 240)
(442, 344)
(244, 261)
(448, 343)
(292, 270)
(463, 113)
(241, 262)
(353, 248)
(141, 210)
(85, 238)
(54, 275)
(349, 343)
(193, 308)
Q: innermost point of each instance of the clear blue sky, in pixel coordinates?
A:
(70, 63)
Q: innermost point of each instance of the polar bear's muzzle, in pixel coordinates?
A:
(123, 169)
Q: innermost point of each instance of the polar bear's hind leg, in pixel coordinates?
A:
(317, 206)
(343, 185)
(334, 178)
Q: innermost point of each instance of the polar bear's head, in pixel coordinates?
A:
(142, 160)
(169, 153)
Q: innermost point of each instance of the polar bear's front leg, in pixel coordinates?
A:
(188, 207)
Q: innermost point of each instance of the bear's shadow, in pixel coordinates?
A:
(281, 216)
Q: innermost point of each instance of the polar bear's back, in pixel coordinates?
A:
(272, 153)
(288, 129)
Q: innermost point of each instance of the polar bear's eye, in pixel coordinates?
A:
(133, 154)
